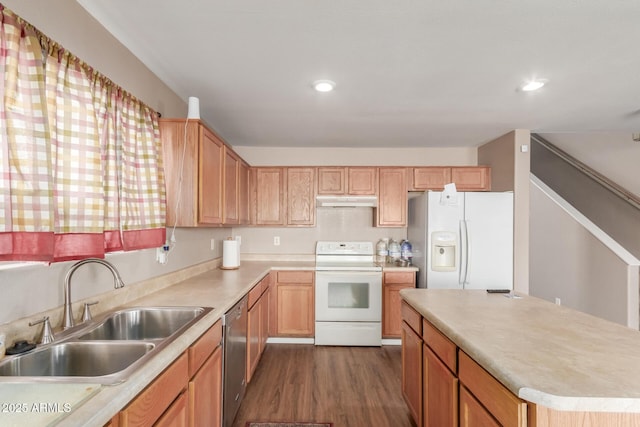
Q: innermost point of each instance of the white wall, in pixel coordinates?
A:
(571, 259)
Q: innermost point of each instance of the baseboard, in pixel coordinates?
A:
(287, 340)
(391, 341)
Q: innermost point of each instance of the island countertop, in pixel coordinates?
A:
(543, 353)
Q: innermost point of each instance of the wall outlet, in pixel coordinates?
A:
(213, 244)
(276, 241)
(558, 302)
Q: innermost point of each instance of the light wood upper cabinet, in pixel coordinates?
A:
(332, 180)
(353, 181)
(362, 181)
(231, 187)
(392, 198)
(474, 178)
(268, 188)
(429, 178)
(201, 194)
(301, 196)
(466, 178)
(243, 193)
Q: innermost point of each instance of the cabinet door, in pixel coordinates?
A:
(253, 338)
(149, 405)
(295, 310)
(243, 193)
(268, 189)
(362, 181)
(301, 196)
(332, 180)
(471, 178)
(392, 201)
(177, 415)
(264, 319)
(392, 284)
(430, 178)
(205, 393)
(210, 178)
(412, 372)
(503, 405)
(231, 186)
(440, 392)
(472, 413)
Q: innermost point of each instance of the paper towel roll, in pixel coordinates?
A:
(230, 254)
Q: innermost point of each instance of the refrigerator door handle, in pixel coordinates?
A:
(464, 245)
(468, 233)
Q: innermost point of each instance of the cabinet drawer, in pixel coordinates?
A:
(399, 277)
(507, 408)
(254, 295)
(295, 277)
(441, 345)
(155, 399)
(204, 346)
(411, 317)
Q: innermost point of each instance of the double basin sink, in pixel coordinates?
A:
(106, 350)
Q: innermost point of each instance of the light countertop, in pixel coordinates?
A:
(86, 405)
(543, 353)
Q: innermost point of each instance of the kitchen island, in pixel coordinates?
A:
(553, 365)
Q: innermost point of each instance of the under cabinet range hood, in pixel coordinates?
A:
(347, 201)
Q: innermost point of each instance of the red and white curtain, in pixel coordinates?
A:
(80, 159)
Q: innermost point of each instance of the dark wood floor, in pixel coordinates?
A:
(348, 386)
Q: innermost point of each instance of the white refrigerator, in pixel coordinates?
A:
(462, 241)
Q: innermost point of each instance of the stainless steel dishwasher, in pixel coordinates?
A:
(235, 360)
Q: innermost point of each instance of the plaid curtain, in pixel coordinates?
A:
(80, 159)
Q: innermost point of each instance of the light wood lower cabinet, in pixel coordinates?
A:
(257, 324)
(149, 405)
(453, 389)
(440, 394)
(292, 305)
(412, 362)
(177, 415)
(187, 393)
(392, 283)
(472, 413)
(503, 405)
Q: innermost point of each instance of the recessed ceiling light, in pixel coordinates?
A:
(324, 85)
(533, 85)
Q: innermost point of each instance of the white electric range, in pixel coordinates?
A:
(348, 285)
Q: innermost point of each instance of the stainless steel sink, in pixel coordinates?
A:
(106, 350)
(143, 323)
(77, 359)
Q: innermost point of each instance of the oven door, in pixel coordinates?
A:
(348, 296)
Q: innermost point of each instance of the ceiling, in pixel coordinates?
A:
(408, 73)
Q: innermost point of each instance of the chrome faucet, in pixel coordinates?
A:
(68, 314)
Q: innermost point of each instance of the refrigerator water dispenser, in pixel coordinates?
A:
(443, 251)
